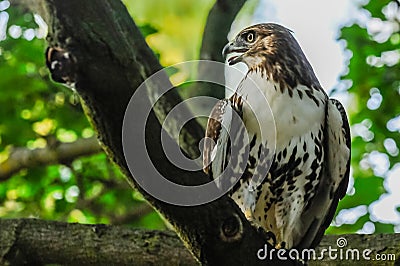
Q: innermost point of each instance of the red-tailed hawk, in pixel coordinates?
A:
(294, 168)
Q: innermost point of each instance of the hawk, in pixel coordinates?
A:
(294, 168)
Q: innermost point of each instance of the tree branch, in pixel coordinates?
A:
(215, 34)
(39, 242)
(109, 59)
(22, 158)
(217, 27)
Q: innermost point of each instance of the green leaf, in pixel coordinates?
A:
(147, 29)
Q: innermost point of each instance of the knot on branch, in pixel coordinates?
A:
(232, 229)
(62, 65)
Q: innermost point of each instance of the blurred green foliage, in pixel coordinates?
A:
(179, 23)
(374, 78)
(34, 111)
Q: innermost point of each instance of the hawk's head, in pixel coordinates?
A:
(272, 49)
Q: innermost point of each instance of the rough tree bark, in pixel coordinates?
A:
(111, 59)
(38, 242)
(32, 241)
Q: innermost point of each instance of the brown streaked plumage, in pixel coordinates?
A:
(307, 174)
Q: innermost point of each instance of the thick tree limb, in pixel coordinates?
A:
(22, 158)
(39, 242)
(110, 60)
(32, 241)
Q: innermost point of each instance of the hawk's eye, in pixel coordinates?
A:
(250, 37)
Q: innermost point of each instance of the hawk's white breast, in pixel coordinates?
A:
(292, 116)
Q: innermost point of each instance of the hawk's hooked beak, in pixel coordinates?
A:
(232, 48)
(227, 50)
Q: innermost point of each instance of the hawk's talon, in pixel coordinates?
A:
(281, 245)
(268, 235)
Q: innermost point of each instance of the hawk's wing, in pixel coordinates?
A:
(225, 135)
(334, 179)
(216, 143)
